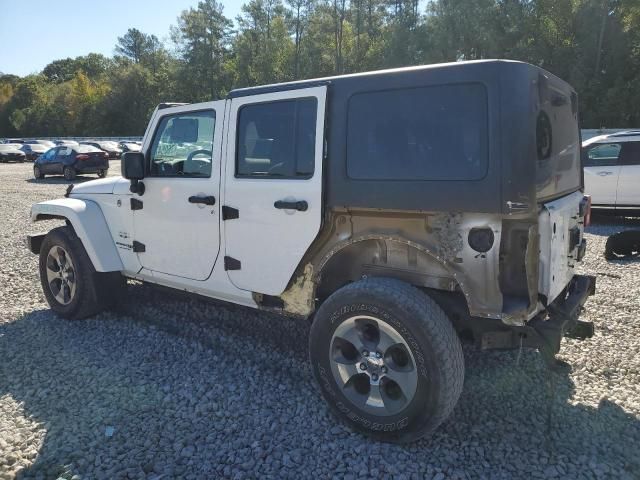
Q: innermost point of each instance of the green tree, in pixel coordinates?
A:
(203, 37)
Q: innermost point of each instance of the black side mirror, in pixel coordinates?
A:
(132, 167)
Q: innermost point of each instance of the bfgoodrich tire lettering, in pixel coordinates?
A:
(427, 333)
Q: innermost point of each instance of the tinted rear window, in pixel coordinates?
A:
(430, 133)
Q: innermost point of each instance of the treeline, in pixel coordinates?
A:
(593, 44)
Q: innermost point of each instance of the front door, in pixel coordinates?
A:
(273, 179)
(47, 161)
(601, 170)
(177, 223)
(629, 181)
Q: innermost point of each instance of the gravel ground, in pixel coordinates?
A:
(171, 387)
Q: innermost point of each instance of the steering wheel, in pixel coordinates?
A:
(200, 164)
(198, 152)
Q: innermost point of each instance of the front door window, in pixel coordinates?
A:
(182, 145)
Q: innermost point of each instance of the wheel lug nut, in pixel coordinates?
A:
(363, 366)
(374, 377)
(383, 369)
(378, 355)
(365, 353)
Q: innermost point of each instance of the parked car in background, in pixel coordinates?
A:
(612, 170)
(130, 146)
(45, 143)
(108, 146)
(10, 152)
(66, 142)
(71, 160)
(33, 150)
(13, 140)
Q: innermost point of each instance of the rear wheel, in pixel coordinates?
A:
(69, 173)
(69, 281)
(37, 172)
(387, 359)
(102, 173)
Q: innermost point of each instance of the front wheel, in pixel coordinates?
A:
(387, 359)
(38, 173)
(69, 281)
(69, 173)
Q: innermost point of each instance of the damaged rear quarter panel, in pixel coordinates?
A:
(425, 249)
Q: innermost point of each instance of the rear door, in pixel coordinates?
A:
(176, 222)
(601, 171)
(273, 185)
(629, 179)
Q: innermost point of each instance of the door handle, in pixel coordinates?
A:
(300, 205)
(604, 174)
(203, 200)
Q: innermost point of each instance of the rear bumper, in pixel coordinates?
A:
(545, 330)
(563, 316)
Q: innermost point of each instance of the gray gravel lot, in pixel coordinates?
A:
(192, 389)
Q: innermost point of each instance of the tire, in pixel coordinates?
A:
(37, 173)
(69, 173)
(418, 346)
(78, 291)
(102, 173)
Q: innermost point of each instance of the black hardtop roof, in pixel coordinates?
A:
(453, 66)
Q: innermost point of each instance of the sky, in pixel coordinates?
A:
(33, 33)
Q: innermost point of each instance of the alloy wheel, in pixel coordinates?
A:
(61, 275)
(373, 365)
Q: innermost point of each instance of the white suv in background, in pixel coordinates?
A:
(612, 170)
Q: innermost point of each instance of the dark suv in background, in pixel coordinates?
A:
(71, 160)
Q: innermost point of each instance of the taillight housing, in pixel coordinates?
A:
(82, 156)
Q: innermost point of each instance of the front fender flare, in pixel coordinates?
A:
(89, 224)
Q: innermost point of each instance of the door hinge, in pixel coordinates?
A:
(136, 204)
(231, 263)
(230, 213)
(138, 247)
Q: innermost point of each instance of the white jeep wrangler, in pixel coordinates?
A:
(396, 209)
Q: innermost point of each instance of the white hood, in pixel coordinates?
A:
(103, 185)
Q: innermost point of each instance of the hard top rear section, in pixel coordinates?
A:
(540, 137)
(485, 136)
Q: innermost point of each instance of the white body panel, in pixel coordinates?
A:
(270, 242)
(90, 226)
(629, 186)
(181, 238)
(602, 184)
(556, 268)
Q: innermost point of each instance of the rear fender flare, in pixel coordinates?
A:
(89, 224)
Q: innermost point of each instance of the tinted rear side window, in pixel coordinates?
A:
(430, 133)
(630, 153)
(277, 139)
